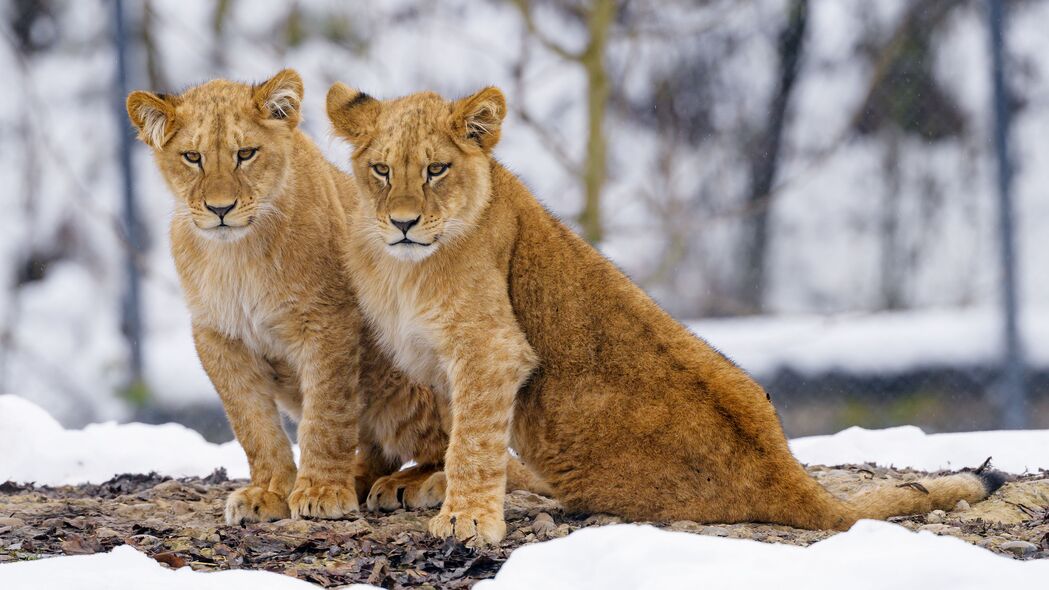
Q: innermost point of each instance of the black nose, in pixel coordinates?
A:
(404, 226)
(221, 211)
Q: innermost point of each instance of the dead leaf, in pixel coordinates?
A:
(75, 544)
(171, 559)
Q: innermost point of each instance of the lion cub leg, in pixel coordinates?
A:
(245, 385)
(327, 365)
(421, 486)
(424, 486)
(520, 477)
(488, 363)
(372, 466)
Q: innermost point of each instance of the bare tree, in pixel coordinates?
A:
(904, 99)
(765, 159)
(598, 16)
(154, 68)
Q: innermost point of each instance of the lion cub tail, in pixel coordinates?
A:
(928, 494)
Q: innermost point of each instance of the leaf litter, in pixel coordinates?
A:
(179, 523)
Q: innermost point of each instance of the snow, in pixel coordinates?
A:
(1014, 451)
(125, 568)
(870, 555)
(872, 343)
(35, 447)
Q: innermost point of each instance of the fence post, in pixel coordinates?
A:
(132, 320)
(1012, 385)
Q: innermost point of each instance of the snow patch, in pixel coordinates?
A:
(34, 447)
(1014, 451)
(126, 568)
(871, 555)
(872, 343)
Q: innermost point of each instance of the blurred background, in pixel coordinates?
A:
(817, 187)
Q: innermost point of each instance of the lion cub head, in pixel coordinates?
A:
(421, 163)
(223, 147)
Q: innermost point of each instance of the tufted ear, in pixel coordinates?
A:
(280, 97)
(352, 113)
(153, 115)
(479, 117)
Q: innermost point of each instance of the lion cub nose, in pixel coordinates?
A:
(404, 226)
(221, 211)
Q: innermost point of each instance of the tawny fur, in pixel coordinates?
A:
(539, 341)
(275, 321)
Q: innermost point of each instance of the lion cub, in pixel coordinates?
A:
(541, 343)
(258, 236)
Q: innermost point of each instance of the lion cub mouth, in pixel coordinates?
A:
(408, 250)
(225, 232)
(408, 241)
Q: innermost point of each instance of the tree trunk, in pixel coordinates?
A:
(765, 160)
(599, 24)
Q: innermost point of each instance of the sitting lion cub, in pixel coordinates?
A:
(540, 342)
(258, 235)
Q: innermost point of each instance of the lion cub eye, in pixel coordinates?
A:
(436, 169)
(381, 169)
(245, 154)
(191, 157)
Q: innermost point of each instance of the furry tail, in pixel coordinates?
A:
(926, 495)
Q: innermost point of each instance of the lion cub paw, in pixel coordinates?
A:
(255, 504)
(474, 526)
(330, 501)
(406, 489)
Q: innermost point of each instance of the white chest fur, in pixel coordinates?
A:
(400, 315)
(240, 301)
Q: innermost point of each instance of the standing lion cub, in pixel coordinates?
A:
(541, 343)
(258, 236)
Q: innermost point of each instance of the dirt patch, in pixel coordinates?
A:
(179, 523)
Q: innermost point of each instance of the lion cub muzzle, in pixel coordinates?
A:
(220, 211)
(404, 215)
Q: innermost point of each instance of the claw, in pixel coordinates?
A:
(915, 485)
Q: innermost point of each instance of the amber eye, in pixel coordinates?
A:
(245, 154)
(381, 169)
(436, 169)
(191, 157)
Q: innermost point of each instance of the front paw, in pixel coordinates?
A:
(255, 504)
(474, 526)
(396, 491)
(310, 499)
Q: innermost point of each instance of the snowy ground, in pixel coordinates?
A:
(126, 568)
(871, 555)
(34, 447)
(872, 343)
(868, 556)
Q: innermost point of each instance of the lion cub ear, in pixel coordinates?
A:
(479, 117)
(153, 115)
(352, 113)
(280, 97)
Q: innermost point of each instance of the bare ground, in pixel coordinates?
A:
(179, 522)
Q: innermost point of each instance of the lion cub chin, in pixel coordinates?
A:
(259, 237)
